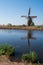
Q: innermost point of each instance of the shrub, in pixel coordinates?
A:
(9, 24)
(32, 56)
(29, 57)
(6, 49)
(25, 57)
(32, 24)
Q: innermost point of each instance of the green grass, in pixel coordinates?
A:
(6, 49)
(29, 57)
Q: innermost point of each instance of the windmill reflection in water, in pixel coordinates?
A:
(29, 37)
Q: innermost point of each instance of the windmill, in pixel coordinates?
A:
(29, 18)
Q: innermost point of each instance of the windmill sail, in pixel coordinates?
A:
(33, 16)
(29, 11)
(24, 16)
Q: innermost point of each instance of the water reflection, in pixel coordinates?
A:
(29, 37)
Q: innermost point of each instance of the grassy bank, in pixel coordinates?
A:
(7, 55)
(22, 27)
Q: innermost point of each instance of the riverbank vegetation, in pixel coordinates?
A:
(8, 51)
(22, 27)
(31, 57)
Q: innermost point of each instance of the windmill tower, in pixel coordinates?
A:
(29, 18)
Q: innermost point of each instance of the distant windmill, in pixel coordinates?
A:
(29, 17)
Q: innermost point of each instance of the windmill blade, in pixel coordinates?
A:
(29, 11)
(33, 38)
(24, 16)
(33, 16)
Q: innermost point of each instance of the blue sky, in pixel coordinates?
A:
(11, 11)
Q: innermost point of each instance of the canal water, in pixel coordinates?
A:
(24, 41)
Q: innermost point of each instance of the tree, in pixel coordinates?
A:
(32, 24)
(9, 24)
